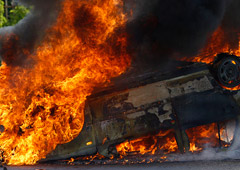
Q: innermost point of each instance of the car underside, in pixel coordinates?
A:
(189, 96)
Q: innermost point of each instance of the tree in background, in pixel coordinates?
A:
(15, 14)
(3, 20)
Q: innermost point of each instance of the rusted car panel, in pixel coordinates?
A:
(175, 103)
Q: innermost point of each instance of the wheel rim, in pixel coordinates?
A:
(228, 73)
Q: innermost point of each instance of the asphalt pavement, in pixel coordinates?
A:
(197, 165)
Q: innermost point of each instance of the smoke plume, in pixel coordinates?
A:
(159, 29)
(231, 24)
(17, 42)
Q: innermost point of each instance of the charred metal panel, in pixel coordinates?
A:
(203, 108)
(111, 130)
(129, 101)
(139, 99)
(196, 82)
(148, 100)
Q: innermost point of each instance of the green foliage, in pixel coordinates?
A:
(2, 18)
(16, 14)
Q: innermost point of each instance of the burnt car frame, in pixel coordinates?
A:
(190, 96)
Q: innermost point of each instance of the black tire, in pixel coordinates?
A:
(226, 69)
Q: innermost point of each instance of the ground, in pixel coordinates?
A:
(198, 165)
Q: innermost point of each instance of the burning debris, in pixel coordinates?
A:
(58, 63)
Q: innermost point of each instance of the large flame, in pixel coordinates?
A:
(43, 105)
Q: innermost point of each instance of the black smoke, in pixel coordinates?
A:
(160, 29)
(17, 42)
(231, 24)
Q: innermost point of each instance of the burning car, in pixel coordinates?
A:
(70, 84)
(178, 111)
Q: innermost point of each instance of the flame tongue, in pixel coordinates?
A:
(218, 43)
(43, 106)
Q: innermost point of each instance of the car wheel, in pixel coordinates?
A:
(227, 70)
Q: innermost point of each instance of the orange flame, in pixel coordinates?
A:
(216, 44)
(204, 136)
(163, 141)
(43, 105)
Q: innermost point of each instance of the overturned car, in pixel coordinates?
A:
(181, 100)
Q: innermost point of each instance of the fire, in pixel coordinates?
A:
(208, 136)
(164, 141)
(42, 105)
(201, 136)
(163, 146)
(216, 44)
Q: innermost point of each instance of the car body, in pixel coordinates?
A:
(183, 98)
